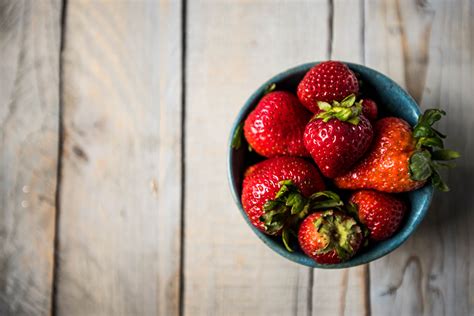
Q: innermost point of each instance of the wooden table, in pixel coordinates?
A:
(114, 121)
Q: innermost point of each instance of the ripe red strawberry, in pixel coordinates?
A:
(381, 213)
(330, 237)
(338, 136)
(328, 81)
(276, 126)
(264, 181)
(401, 160)
(369, 109)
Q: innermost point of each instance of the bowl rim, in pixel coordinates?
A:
(391, 243)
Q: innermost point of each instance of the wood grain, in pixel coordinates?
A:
(119, 211)
(120, 195)
(29, 67)
(233, 47)
(427, 46)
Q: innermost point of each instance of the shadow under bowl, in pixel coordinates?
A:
(392, 101)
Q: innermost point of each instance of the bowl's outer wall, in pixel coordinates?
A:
(395, 101)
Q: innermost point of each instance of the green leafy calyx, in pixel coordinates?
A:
(348, 110)
(289, 207)
(339, 233)
(270, 88)
(430, 154)
(237, 137)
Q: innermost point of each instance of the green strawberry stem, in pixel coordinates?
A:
(338, 233)
(237, 137)
(430, 153)
(347, 110)
(271, 87)
(289, 207)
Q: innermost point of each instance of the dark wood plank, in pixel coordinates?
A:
(29, 107)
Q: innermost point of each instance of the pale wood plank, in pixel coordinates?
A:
(232, 48)
(428, 47)
(29, 97)
(348, 31)
(120, 196)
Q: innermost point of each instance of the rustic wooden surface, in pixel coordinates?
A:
(432, 274)
(119, 223)
(29, 111)
(114, 120)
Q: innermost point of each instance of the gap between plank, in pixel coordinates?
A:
(183, 156)
(60, 160)
(362, 29)
(367, 303)
(330, 27)
(310, 292)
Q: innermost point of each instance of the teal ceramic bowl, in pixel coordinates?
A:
(392, 101)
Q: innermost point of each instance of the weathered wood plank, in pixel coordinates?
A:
(120, 195)
(29, 104)
(428, 47)
(232, 48)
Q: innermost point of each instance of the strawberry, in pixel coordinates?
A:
(369, 109)
(276, 126)
(338, 136)
(330, 237)
(381, 213)
(280, 191)
(400, 159)
(328, 81)
(262, 184)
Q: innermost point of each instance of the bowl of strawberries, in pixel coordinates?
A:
(333, 164)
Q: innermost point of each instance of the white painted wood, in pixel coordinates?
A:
(120, 195)
(29, 103)
(427, 46)
(233, 47)
(348, 31)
